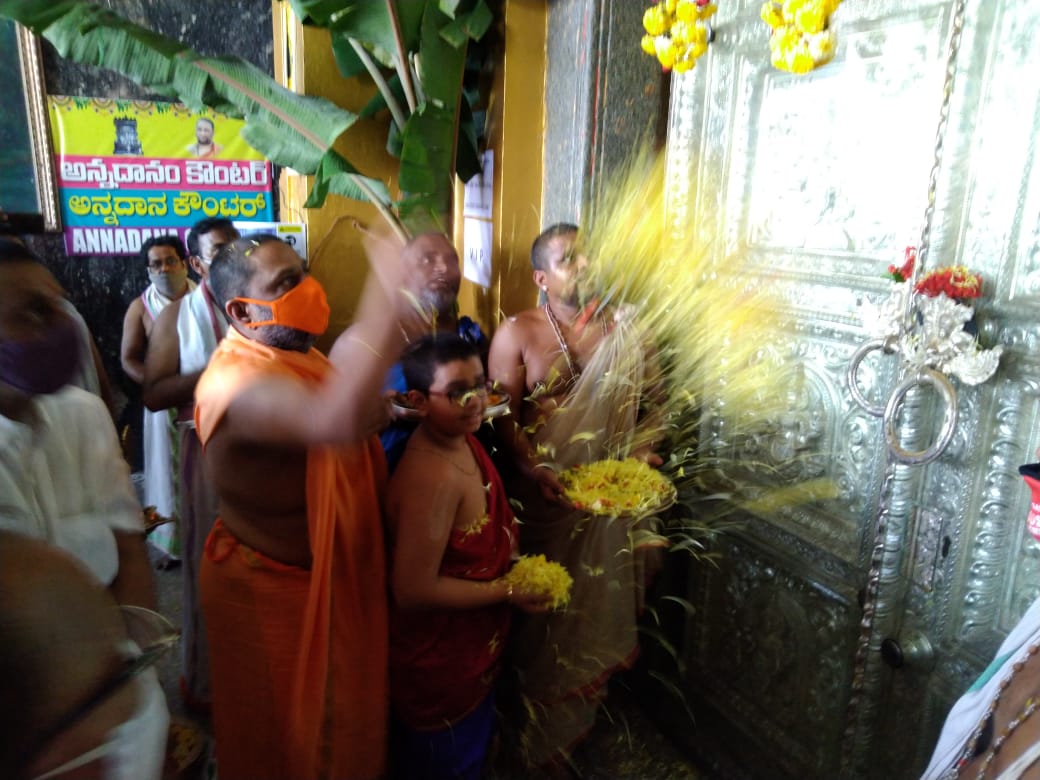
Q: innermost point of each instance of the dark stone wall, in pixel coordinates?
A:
(604, 98)
(101, 287)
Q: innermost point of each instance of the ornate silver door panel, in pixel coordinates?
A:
(822, 180)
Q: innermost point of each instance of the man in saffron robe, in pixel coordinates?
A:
(293, 582)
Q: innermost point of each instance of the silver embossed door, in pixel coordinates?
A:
(820, 648)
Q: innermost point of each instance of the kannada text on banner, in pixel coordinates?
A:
(130, 169)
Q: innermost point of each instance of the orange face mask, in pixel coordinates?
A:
(304, 307)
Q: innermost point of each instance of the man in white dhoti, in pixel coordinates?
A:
(577, 378)
(167, 266)
(183, 338)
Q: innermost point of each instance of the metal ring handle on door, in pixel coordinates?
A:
(938, 380)
(853, 370)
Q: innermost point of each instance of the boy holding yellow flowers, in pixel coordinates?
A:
(453, 539)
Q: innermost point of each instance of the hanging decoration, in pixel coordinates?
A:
(677, 32)
(927, 320)
(942, 336)
(801, 38)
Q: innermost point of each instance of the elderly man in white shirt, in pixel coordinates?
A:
(62, 476)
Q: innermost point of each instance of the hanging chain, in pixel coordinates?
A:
(863, 656)
(933, 177)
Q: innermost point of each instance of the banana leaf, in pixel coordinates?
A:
(427, 151)
(366, 21)
(294, 131)
(438, 31)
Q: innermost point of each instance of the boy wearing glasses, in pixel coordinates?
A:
(452, 538)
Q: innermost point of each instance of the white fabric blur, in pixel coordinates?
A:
(158, 438)
(63, 479)
(199, 328)
(971, 707)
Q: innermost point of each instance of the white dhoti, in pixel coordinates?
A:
(160, 484)
(564, 659)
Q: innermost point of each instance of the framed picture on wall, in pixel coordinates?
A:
(28, 195)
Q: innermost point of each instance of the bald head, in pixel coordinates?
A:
(60, 635)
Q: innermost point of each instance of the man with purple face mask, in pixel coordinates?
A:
(164, 257)
(62, 476)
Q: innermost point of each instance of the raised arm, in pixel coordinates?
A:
(164, 386)
(348, 406)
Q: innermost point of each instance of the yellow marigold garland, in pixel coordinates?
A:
(677, 32)
(536, 575)
(801, 38)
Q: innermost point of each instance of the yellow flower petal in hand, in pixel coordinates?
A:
(648, 44)
(538, 576)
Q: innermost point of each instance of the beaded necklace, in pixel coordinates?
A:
(571, 366)
(1031, 706)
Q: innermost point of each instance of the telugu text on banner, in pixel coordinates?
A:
(129, 170)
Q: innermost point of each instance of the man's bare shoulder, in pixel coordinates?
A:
(136, 308)
(522, 324)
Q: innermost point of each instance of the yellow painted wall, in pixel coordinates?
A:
(516, 135)
(304, 63)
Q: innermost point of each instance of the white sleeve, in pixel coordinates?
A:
(106, 493)
(107, 478)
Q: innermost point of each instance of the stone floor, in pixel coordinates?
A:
(623, 746)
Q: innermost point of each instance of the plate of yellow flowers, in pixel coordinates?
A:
(618, 488)
(536, 575)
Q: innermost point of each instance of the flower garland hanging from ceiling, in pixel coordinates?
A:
(801, 37)
(677, 32)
